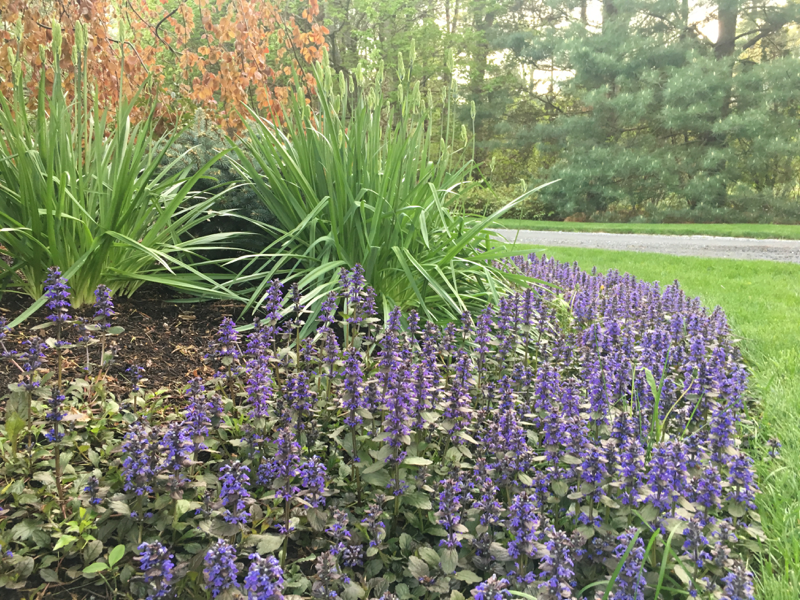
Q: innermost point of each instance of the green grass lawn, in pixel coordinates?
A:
(762, 301)
(787, 232)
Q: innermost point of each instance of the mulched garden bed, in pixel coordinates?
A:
(168, 339)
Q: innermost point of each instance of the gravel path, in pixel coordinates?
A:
(704, 246)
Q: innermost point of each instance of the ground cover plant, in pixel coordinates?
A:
(750, 230)
(571, 441)
(761, 300)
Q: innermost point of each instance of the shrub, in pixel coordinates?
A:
(483, 200)
(92, 202)
(570, 437)
(358, 181)
(202, 144)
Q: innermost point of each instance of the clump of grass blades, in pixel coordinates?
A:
(353, 178)
(88, 196)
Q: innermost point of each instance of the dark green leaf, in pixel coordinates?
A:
(91, 551)
(268, 544)
(417, 500)
(468, 577)
(48, 575)
(418, 567)
(429, 555)
(25, 529)
(560, 488)
(317, 518)
(449, 560)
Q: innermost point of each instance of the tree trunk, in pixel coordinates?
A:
(609, 12)
(727, 12)
(480, 57)
(684, 19)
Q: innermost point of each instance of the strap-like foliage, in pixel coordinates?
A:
(93, 203)
(353, 178)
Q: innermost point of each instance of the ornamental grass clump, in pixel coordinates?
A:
(582, 440)
(353, 178)
(87, 195)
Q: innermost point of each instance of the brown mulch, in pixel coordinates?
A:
(168, 339)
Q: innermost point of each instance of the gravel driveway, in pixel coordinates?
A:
(704, 246)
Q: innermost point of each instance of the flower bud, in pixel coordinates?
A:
(56, 39)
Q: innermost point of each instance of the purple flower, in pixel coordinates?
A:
(375, 527)
(141, 459)
(738, 583)
(327, 312)
(93, 489)
(353, 387)
(3, 334)
(299, 398)
(135, 372)
(264, 579)
(742, 481)
(156, 563)
(695, 543)
(273, 302)
(485, 496)
(220, 570)
(450, 507)
(57, 292)
(523, 524)
(774, 446)
(259, 386)
(226, 343)
(339, 532)
(54, 416)
(327, 577)
(284, 465)
(482, 338)
(492, 589)
(103, 306)
(630, 583)
(667, 477)
(202, 408)
(708, 489)
(6, 554)
(313, 476)
(234, 478)
(557, 570)
(360, 298)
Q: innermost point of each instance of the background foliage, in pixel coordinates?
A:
(640, 108)
(215, 55)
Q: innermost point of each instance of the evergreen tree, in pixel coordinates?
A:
(656, 117)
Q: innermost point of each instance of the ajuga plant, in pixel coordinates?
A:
(578, 441)
(87, 195)
(357, 179)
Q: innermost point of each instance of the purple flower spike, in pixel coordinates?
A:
(57, 291)
(234, 478)
(630, 583)
(103, 306)
(220, 570)
(492, 589)
(313, 476)
(156, 563)
(738, 583)
(264, 580)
